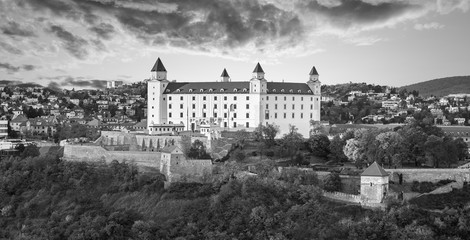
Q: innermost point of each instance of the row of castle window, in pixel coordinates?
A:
(234, 115)
(234, 106)
(204, 98)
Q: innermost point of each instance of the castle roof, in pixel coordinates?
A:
(234, 87)
(224, 73)
(158, 67)
(172, 149)
(374, 170)
(313, 71)
(258, 69)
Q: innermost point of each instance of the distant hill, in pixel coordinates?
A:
(442, 86)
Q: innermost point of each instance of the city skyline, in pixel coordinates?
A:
(82, 44)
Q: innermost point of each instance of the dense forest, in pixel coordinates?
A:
(47, 198)
(442, 86)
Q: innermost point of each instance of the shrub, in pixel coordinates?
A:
(332, 182)
(270, 154)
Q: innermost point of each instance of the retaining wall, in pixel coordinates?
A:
(97, 153)
(430, 174)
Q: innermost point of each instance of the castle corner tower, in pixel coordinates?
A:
(224, 77)
(156, 102)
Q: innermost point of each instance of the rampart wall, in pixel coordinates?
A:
(430, 174)
(96, 153)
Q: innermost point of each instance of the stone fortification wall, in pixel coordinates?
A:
(343, 197)
(190, 170)
(97, 153)
(430, 175)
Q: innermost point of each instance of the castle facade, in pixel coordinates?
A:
(232, 105)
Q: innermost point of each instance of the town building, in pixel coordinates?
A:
(232, 105)
(374, 183)
(113, 84)
(3, 128)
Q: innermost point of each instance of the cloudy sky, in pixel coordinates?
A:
(81, 43)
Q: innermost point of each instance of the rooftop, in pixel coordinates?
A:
(374, 170)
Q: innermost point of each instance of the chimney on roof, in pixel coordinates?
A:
(224, 77)
(258, 72)
(158, 71)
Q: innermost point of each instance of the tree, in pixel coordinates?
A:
(317, 128)
(241, 136)
(266, 134)
(292, 141)
(435, 151)
(198, 151)
(332, 182)
(30, 150)
(390, 146)
(336, 149)
(318, 145)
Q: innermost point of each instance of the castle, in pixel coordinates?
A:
(231, 105)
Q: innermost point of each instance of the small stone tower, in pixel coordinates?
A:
(225, 77)
(258, 72)
(374, 183)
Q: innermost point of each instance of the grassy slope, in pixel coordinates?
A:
(442, 86)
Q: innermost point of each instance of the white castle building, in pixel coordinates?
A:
(231, 105)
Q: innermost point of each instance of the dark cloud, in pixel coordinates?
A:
(103, 30)
(205, 24)
(78, 82)
(354, 12)
(75, 45)
(13, 69)
(11, 49)
(14, 29)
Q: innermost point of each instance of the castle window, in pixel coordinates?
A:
(293, 115)
(309, 91)
(285, 98)
(275, 98)
(181, 106)
(225, 115)
(248, 106)
(245, 90)
(301, 115)
(267, 106)
(274, 90)
(215, 106)
(311, 115)
(275, 115)
(178, 90)
(235, 98)
(299, 91)
(215, 98)
(215, 114)
(311, 106)
(371, 184)
(247, 98)
(169, 106)
(194, 114)
(168, 90)
(275, 106)
(285, 106)
(169, 98)
(285, 115)
(194, 106)
(247, 115)
(235, 90)
(153, 107)
(291, 91)
(267, 98)
(311, 98)
(225, 98)
(301, 106)
(204, 106)
(247, 124)
(181, 98)
(234, 115)
(293, 98)
(181, 114)
(194, 98)
(293, 106)
(169, 114)
(282, 90)
(204, 98)
(301, 98)
(201, 90)
(190, 90)
(204, 114)
(221, 89)
(225, 106)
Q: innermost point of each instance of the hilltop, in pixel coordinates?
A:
(441, 86)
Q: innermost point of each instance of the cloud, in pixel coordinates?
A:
(428, 26)
(54, 86)
(13, 69)
(103, 30)
(14, 29)
(233, 28)
(10, 49)
(75, 45)
(78, 82)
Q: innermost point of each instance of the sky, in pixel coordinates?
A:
(83, 43)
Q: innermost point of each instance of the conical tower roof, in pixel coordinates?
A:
(258, 69)
(158, 67)
(313, 71)
(374, 170)
(224, 73)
